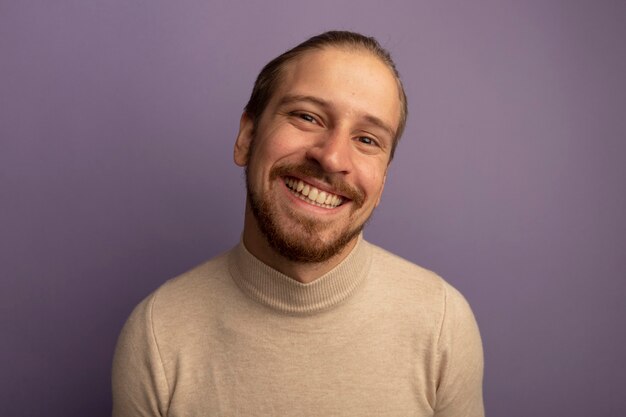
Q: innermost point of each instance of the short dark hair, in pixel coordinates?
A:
(269, 77)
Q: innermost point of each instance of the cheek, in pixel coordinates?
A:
(278, 141)
(266, 154)
(288, 142)
(373, 179)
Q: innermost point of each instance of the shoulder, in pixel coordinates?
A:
(406, 275)
(441, 309)
(187, 297)
(402, 268)
(159, 327)
(413, 285)
(196, 283)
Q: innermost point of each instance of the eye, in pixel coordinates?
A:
(307, 117)
(366, 140)
(304, 116)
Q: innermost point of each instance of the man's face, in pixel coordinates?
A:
(317, 157)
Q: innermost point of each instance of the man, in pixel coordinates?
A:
(304, 317)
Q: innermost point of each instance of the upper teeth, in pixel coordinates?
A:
(313, 195)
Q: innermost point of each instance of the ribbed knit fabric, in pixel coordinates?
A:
(278, 291)
(376, 336)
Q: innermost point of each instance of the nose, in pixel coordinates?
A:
(332, 151)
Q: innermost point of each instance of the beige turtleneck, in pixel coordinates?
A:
(376, 336)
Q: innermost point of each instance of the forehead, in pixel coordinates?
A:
(354, 81)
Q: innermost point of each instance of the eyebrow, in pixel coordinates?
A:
(289, 99)
(296, 98)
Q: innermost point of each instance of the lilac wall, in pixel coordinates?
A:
(116, 125)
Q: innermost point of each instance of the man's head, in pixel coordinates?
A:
(316, 139)
(271, 75)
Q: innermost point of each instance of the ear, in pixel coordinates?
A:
(244, 139)
(380, 195)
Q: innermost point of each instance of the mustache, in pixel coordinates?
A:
(309, 169)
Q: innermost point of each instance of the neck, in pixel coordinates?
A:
(256, 243)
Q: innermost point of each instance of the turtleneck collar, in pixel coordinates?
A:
(280, 292)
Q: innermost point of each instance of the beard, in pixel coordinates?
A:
(303, 243)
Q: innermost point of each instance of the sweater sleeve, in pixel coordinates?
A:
(139, 383)
(460, 353)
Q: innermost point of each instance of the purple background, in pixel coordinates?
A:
(117, 120)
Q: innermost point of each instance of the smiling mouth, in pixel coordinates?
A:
(313, 195)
